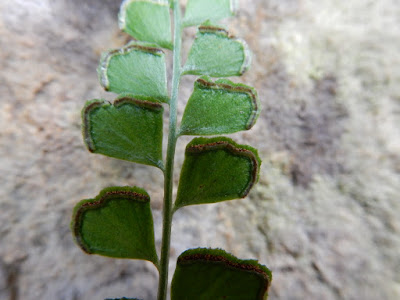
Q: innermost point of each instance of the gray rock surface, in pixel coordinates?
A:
(325, 214)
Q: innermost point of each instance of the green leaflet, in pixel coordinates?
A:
(117, 223)
(147, 20)
(138, 68)
(214, 274)
(215, 170)
(199, 11)
(220, 107)
(216, 54)
(131, 129)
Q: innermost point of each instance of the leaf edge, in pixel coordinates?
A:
(105, 195)
(197, 145)
(209, 28)
(217, 255)
(205, 82)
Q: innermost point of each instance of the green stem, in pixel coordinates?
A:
(169, 169)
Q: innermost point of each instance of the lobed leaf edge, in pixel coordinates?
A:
(220, 256)
(90, 105)
(205, 82)
(106, 57)
(131, 193)
(209, 28)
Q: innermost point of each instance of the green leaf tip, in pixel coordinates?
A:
(147, 20)
(137, 68)
(198, 11)
(216, 169)
(130, 129)
(217, 54)
(116, 223)
(220, 107)
(205, 273)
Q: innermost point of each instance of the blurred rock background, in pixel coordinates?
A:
(325, 214)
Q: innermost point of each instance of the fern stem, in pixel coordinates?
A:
(169, 169)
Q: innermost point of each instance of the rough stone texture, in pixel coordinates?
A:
(324, 216)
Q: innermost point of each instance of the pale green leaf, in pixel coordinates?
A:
(215, 274)
(220, 107)
(147, 20)
(217, 54)
(215, 170)
(138, 68)
(199, 11)
(117, 223)
(131, 129)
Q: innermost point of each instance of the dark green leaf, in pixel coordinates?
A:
(131, 129)
(147, 20)
(117, 223)
(214, 274)
(137, 68)
(220, 107)
(199, 11)
(217, 54)
(215, 170)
